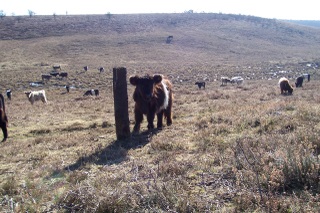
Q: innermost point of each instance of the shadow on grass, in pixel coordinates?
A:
(114, 153)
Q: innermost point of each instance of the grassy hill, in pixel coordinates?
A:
(231, 148)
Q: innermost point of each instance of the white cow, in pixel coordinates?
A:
(237, 79)
(36, 96)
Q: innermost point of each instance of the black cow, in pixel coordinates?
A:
(56, 67)
(101, 69)
(54, 73)
(91, 92)
(201, 84)
(169, 39)
(86, 68)
(3, 119)
(63, 74)
(299, 81)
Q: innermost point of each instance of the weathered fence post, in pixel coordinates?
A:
(120, 96)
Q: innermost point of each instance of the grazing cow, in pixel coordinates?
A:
(101, 69)
(46, 77)
(152, 95)
(63, 74)
(224, 81)
(285, 87)
(201, 84)
(86, 68)
(169, 39)
(237, 79)
(91, 92)
(56, 67)
(36, 96)
(3, 119)
(299, 81)
(54, 73)
(9, 93)
(67, 88)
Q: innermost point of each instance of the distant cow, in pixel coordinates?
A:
(101, 69)
(307, 76)
(91, 92)
(237, 79)
(56, 67)
(299, 81)
(169, 39)
(9, 93)
(224, 81)
(86, 68)
(54, 73)
(63, 74)
(285, 87)
(152, 95)
(36, 96)
(3, 119)
(45, 77)
(67, 88)
(201, 84)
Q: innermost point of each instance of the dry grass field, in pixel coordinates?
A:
(234, 148)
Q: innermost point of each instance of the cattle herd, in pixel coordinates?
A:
(152, 95)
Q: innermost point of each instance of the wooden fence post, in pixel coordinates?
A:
(120, 95)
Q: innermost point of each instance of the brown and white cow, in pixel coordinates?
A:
(285, 86)
(3, 118)
(152, 95)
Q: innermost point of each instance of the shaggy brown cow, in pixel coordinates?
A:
(152, 95)
(285, 86)
(3, 118)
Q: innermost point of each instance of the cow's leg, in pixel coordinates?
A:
(150, 118)
(138, 116)
(160, 118)
(4, 130)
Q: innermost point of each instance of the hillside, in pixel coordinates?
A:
(232, 148)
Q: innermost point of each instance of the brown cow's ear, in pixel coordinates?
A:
(157, 79)
(134, 80)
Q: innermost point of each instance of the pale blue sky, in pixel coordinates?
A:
(279, 9)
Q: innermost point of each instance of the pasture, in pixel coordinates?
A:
(233, 148)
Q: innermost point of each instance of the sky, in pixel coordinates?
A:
(278, 9)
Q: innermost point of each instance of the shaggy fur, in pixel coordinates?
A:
(152, 95)
(285, 87)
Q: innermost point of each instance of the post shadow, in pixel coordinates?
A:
(114, 153)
